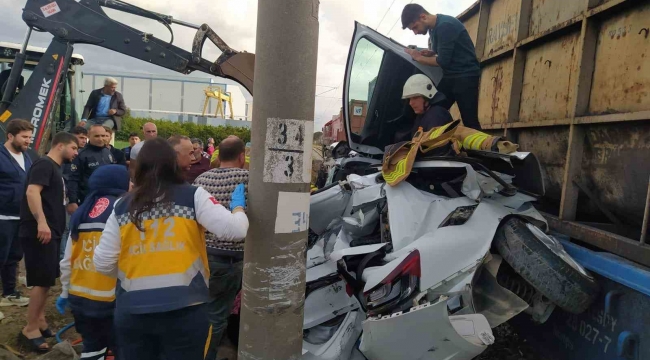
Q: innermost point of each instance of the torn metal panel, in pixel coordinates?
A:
(418, 338)
(492, 300)
(340, 345)
(367, 196)
(326, 303)
(414, 221)
(328, 206)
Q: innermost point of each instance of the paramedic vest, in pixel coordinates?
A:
(91, 293)
(165, 267)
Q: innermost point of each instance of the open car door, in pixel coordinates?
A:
(373, 110)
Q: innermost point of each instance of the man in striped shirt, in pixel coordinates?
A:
(225, 257)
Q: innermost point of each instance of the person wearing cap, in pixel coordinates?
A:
(89, 294)
(426, 102)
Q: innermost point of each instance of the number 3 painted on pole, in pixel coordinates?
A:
(289, 170)
(283, 132)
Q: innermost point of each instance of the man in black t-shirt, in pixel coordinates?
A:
(42, 222)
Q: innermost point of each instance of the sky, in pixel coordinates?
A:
(336, 19)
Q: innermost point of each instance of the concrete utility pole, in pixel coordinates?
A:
(280, 173)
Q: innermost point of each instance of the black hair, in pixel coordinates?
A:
(411, 13)
(79, 130)
(64, 138)
(156, 172)
(133, 134)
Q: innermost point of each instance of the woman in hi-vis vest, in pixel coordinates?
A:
(89, 294)
(154, 244)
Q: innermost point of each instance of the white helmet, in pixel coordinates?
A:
(419, 85)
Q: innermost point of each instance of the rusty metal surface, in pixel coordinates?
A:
(550, 78)
(616, 166)
(619, 245)
(494, 93)
(502, 26)
(546, 14)
(471, 24)
(621, 80)
(550, 146)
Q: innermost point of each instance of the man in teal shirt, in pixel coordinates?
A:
(450, 48)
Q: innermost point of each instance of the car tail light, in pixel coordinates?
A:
(397, 288)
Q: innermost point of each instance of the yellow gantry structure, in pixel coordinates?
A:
(215, 92)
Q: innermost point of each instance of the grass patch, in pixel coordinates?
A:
(121, 144)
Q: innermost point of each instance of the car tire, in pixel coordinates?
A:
(547, 272)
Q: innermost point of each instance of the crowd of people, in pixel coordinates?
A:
(125, 230)
(148, 240)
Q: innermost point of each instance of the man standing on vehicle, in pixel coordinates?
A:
(14, 166)
(105, 106)
(94, 155)
(42, 221)
(450, 48)
(224, 257)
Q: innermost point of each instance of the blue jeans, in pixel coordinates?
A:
(11, 252)
(225, 281)
(175, 335)
(103, 121)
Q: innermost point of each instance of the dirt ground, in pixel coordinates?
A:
(16, 317)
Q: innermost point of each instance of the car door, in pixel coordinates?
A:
(373, 110)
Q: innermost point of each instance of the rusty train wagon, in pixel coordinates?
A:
(570, 81)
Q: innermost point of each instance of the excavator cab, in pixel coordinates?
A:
(44, 97)
(64, 115)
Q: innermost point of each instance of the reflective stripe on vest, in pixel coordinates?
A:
(161, 281)
(85, 281)
(169, 254)
(400, 168)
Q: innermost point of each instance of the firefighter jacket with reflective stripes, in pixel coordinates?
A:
(453, 138)
(164, 267)
(89, 292)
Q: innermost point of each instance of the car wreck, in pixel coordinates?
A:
(425, 267)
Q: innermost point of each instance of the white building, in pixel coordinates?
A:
(172, 97)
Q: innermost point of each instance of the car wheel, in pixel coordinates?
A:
(545, 265)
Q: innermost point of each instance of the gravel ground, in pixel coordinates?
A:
(508, 346)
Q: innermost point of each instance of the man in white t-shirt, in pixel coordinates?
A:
(14, 166)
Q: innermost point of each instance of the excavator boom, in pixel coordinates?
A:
(85, 22)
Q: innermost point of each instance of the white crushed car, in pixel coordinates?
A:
(426, 268)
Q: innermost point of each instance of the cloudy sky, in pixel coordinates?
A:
(224, 16)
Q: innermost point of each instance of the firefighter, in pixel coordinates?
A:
(426, 103)
(91, 295)
(154, 242)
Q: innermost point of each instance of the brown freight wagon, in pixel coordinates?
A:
(570, 81)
